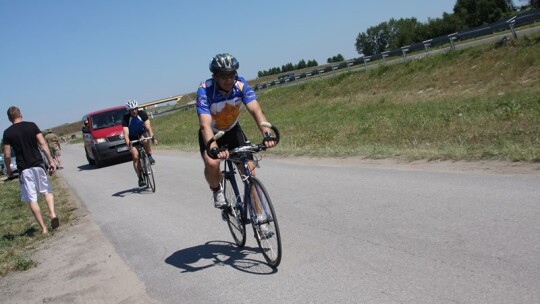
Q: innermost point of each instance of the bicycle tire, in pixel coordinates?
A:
(142, 169)
(270, 241)
(150, 181)
(148, 172)
(235, 221)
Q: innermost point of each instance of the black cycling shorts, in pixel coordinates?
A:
(137, 136)
(233, 138)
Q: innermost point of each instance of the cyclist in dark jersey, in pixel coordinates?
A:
(219, 101)
(136, 125)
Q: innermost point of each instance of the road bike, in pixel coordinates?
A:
(145, 167)
(254, 205)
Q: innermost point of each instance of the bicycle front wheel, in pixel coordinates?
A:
(264, 222)
(236, 223)
(149, 175)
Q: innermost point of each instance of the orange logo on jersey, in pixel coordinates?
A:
(227, 116)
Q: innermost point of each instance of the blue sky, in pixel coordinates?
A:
(62, 58)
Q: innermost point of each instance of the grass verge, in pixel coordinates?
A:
(20, 234)
(481, 103)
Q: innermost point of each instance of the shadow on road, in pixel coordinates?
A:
(135, 190)
(217, 253)
(104, 164)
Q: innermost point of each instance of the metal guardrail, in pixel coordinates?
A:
(403, 54)
(525, 18)
(159, 112)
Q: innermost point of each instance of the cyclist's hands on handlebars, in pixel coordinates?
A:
(269, 140)
(218, 153)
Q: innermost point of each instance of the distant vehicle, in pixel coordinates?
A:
(103, 136)
(13, 165)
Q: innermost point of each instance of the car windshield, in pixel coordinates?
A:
(107, 119)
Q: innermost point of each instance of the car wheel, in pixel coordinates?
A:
(90, 161)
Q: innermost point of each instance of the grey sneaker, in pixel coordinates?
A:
(219, 199)
(151, 159)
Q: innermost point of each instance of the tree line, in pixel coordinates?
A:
(395, 33)
(301, 65)
(288, 67)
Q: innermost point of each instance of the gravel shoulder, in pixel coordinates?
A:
(76, 265)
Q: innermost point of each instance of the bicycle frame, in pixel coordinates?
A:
(145, 169)
(142, 155)
(230, 167)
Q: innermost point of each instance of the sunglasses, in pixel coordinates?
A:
(230, 76)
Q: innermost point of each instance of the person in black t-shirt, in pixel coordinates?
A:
(26, 140)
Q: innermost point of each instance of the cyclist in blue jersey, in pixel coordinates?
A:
(219, 101)
(136, 125)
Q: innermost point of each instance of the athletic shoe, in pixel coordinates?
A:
(151, 159)
(224, 215)
(142, 183)
(219, 199)
(55, 223)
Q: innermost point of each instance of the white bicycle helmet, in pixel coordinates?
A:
(132, 104)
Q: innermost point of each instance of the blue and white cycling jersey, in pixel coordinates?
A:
(224, 109)
(135, 124)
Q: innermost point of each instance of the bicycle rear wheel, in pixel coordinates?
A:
(237, 225)
(149, 174)
(265, 224)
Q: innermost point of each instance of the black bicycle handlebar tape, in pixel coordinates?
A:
(277, 137)
(212, 153)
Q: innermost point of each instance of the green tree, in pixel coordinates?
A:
(375, 40)
(534, 3)
(449, 23)
(337, 58)
(474, 13)
(288, 67)
(301, 64)
(404, 32)
(312, 63)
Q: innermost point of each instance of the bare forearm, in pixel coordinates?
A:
(45, 148)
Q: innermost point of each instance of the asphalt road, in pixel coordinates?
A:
(351, 233)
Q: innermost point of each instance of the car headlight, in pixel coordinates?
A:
(99, 140)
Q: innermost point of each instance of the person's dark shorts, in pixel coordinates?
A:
(233, 138)
(137, 136)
